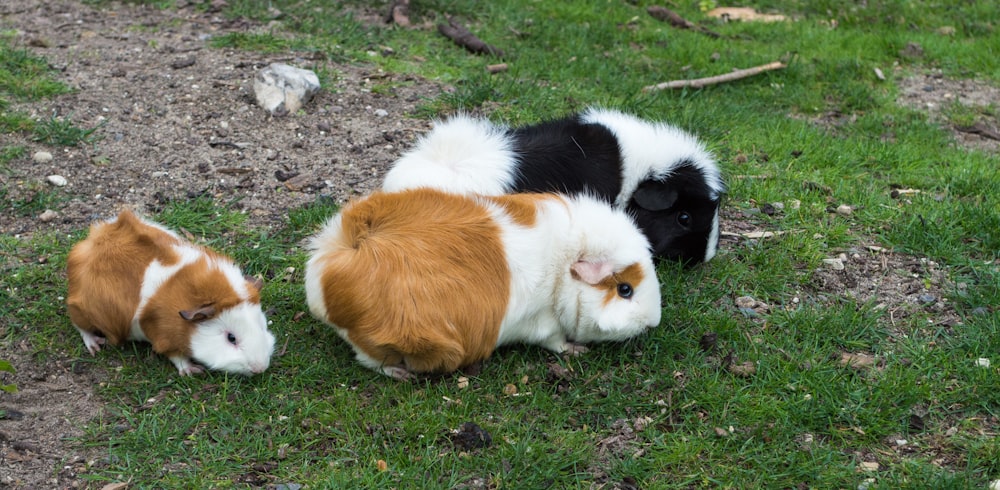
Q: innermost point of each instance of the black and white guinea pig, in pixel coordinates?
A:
(423, 281)
(660, 174)
(133, 279)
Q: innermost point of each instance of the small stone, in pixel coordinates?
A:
(463, 382)
(901, 442)
(57, 180)
(719, 431)
(42, 157)
(47, 215)
(983, 362)
(869, 466)
(745, 302)
(748, 312)
(994, 485)
(946, 30)
(845, 210)
(768, 209)
(381, 113)
(794, 204)
(282, 89)
(926, 298)
(835, 264)
(509, 389)
(779, 206)
(866, 483)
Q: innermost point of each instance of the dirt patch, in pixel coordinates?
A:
(934, 93)
(175, 133)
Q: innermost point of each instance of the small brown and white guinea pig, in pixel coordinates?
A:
(422, 281)
(132, 279)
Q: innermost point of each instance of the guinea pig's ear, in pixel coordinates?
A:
(198, 314)
(256, 282)
(654, 195)
(591, 272)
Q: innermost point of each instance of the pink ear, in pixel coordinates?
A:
(198, 315)
(591, 272)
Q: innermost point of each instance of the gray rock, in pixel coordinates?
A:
(282, 89)
(42, 157)
(57, 180)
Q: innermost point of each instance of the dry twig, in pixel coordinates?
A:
(462, 37)
(728, 77)
(666, 15)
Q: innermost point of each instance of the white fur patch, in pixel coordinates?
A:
(254, 343)
(153, 278)
(652, 150)
(460, 155)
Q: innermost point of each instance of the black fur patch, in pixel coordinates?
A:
(568, 156)
(670, 234)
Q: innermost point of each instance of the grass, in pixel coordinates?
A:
(659, 411)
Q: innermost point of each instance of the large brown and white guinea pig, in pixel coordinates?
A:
(663, 176)
(132, 279)
(425, 281)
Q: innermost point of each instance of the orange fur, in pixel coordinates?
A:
(632, 275)
(522, 208)
(418, 278)
(105, 274)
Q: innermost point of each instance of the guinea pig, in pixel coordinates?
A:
(662, 175)
(132, 279)
(424, 281)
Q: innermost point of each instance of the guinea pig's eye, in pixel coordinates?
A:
(625, 290)
(231, 338)
(684, 219)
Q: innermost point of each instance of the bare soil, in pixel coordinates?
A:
(173, 129)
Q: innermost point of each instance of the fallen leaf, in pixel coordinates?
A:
(115, 486)
(743, 369)
(858, 361)
(382, 465)
(510, 389)
(744, 13)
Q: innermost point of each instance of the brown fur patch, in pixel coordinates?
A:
(522, 208)
(632, 275)
(105, 274)
(417, 278)
(195, 285)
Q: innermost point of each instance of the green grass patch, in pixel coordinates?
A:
(666, 410)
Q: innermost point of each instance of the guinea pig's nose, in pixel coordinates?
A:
(258, 368)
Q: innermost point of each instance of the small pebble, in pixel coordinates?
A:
(748, 312)
(381, 113)
(994, 485)
(844, 210)
(47, 215)
(794, 204)
(778, 206)
(57, 180)
(983, 362)
(42, 157)
(926, 298)
(835, 264)
(745, 302)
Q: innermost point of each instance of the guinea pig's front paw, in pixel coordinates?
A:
(185, 367)
(575, 349)
(93, 342)
(398, 372)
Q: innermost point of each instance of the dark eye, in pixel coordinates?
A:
(231, 338)
(684, 219)
(625, 290)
